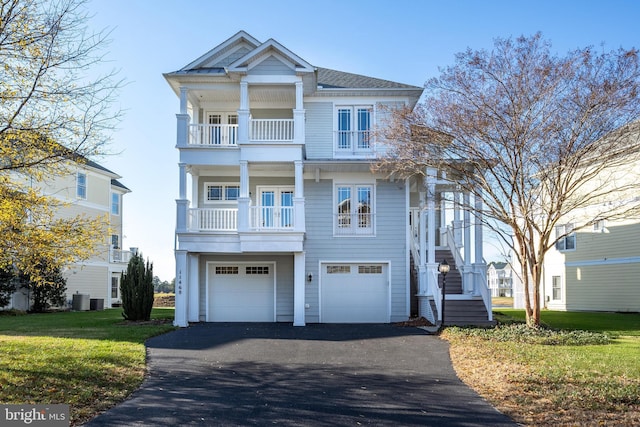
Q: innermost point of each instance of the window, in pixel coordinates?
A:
(338, 269)
(115, 241)
(353, 133)
(354, 209)
(556, 288)
(370, 269)
(223, 269)
(257, 270)
(114, 287)
(221, 192)
(567, 238)
(599, 226)
(81, 185)
(115, 203)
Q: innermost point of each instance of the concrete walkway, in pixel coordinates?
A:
(319, 375)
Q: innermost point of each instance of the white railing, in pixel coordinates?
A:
(203, 219)
(435, 290)
(480, 276)
(451, 243)
(214, 135)
(353, 142)
(271, 218)
(271, 130)
(358, 224)
(118, 255)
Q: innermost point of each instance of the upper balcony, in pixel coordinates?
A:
(226, 136)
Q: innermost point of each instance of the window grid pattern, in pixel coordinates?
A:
(227, 269)
(221, 192)
(556, 286)
(338, 269)
(81, 185)
(257, 269)
(370, 269)
(568, 242)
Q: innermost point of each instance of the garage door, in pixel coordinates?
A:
(241, 293)
(354, 293)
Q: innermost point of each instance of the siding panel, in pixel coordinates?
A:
(319, 130)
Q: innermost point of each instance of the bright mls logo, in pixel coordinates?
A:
(34, 415)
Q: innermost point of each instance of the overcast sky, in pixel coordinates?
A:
(401, 40)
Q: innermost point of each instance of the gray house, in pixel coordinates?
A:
(279, 216)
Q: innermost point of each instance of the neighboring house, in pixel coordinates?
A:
(500, 279)
(279, 217)
(91, 190)
(596, 267)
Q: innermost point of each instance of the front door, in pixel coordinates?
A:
(276, 207)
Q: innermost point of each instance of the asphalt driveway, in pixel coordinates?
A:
(320, 375)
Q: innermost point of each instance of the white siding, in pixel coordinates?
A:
(272, 66)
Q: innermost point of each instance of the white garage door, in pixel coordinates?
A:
(354, 293)
(241, 293)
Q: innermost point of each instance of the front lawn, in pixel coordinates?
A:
(89, 360)
(548, 385)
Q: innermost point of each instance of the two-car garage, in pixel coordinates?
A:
(347, 292)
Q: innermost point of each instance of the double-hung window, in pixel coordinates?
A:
(353, 133)
(566, 237)
(81, 185)
(556, 288)
(115, 204)
(354, 210)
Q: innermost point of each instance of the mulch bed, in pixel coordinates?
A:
(416, 321)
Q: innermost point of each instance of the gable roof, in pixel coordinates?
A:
(271, 45)
(241, 38)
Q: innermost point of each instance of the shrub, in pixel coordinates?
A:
(48, 287)
(136, 289)
(7, 286)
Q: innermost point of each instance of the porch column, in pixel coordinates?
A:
(432, 265)
(243, 199)
(457, 223)
(181, 290)
(443, 221)
(193, 292)
(478, 265)
(298, 115)
(298, 197)
(182, 134)
(299, 284)
(467, 279)
(243, 113)
(182, 203)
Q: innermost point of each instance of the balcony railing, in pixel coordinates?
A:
(260, 218)
(354, 224)
(215, 135)
(348, 142)
(213, 219)
(118, 255)
(271, 130)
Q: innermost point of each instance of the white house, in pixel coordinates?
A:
(500, 278)
(279, 217)
(92, 190)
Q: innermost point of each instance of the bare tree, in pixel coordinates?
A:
(545, 140)
(55, 111)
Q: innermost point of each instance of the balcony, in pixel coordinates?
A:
(260, 130)
(261, 218)
(119, 256)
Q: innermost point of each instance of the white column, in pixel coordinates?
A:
(467, 273)
(182, 203)
(181, 293)
(182, 182)
(478, 266)
(443, 220)
(244, 200)
(299, 283)
(298, 197)
(243, 113)
(193, 293)
(182, 128)
(457, 223)
(298, 115)
(432, 265)
(422, 241)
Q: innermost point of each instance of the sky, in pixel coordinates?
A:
(406, 41)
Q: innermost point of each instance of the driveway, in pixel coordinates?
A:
(216, 374)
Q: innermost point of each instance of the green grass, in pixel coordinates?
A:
(557, 384)
(89, 360)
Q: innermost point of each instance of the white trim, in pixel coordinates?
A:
(353, 262)
(241, 263)
(604, 261)
(354, 184)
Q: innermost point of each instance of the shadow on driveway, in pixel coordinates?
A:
(320, 375)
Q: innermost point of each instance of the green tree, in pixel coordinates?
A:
(536, 135)
(136, 289)
(47, 286)
(55, 112)
(7, 286)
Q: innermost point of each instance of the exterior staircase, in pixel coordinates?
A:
(459, 309)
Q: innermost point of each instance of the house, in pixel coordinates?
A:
(595, 264)
(92, 190)
(279, 216)
(500, 279)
